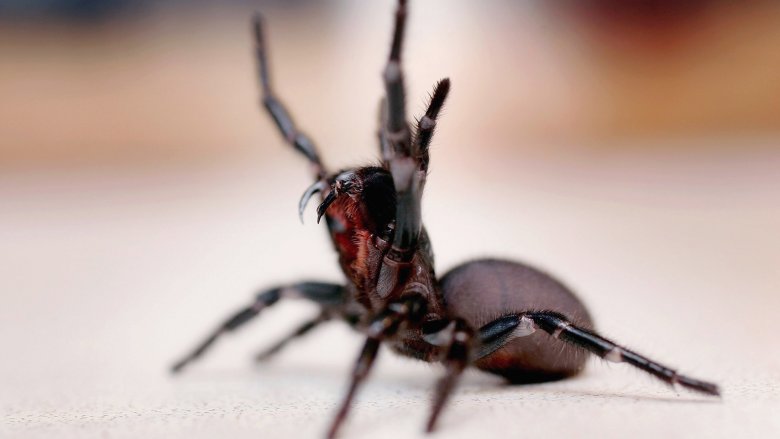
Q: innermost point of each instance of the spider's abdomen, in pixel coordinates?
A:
(483, 290)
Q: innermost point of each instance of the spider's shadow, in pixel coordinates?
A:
(493, 385)
(473, 382)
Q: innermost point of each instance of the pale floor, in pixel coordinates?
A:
(108, 276)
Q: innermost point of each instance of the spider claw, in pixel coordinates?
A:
(318, 186)
(325, 204)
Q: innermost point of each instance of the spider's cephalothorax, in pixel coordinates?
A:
(500, 316)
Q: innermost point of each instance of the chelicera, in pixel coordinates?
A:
(500, 316)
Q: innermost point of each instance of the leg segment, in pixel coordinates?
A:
(327, 295)
(395, 120)
(299, 332)
(559, 327)
(427, 124)
(404, 164)
(384, 144)
(501, 331)
(363, 365)
(399, 157)
(384, 325)
(455, 360)
(407, 160)
(277, 110)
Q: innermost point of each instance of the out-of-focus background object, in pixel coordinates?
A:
(113, 82)
(631, 147)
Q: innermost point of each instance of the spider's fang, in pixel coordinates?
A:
(325, 204)
(318, 186)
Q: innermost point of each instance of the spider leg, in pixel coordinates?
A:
(384, 144)
(363, 365)
(406, 159)
(277, 110)
(495, 334)
(299, 332)
(394, 116)
(456, 359)
(559, 327)
(499, 332)
(398, 156)
(427, 124)
(326, 295)
(383, 325)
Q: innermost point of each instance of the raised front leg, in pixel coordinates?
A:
(292, 135)
(406, 158)
(398, 155)
(329, 296)
(427, 124)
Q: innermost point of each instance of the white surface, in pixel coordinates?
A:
(108, 277)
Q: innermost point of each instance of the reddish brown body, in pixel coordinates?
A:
(478, 291)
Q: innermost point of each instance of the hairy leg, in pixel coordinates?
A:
(300, 331)
(501, 331)
(456, 358)
(326, 294)
(405, 157)
(559, 327)
(292, 135)
(383, 326)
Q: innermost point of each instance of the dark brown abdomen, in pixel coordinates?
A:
(483, 290)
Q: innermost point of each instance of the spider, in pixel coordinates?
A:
(500, 316)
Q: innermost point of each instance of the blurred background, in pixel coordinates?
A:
(630, 147)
